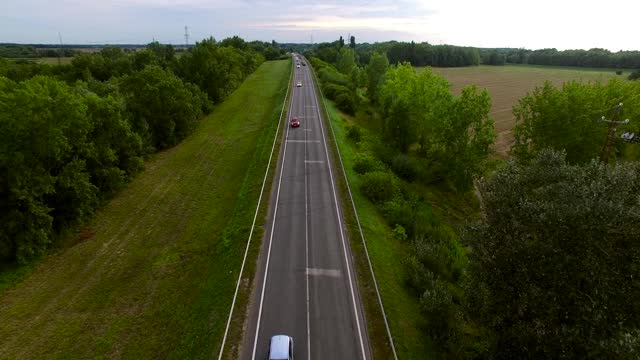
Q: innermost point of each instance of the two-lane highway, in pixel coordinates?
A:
(305, 284)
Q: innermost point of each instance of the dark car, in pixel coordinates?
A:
(295, 122)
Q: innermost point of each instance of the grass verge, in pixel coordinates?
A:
(156, 277)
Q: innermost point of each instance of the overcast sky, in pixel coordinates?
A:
(533, 24)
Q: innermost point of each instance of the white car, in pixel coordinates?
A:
(298, 66)
(281, 348)
(299, 84)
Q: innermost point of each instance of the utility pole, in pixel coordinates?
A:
(186, 37)
(611, 133)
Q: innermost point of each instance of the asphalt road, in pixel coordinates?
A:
(305, 283)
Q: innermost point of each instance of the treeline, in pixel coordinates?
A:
(548, 270)
(29, 51)
(594, 58)
(418, 54)
(340, 83)
(70, 136)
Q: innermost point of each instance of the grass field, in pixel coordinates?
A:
(154, 273)
(507, 84)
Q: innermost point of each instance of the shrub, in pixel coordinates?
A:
(332, 91)
(345, 102)
(403, 166)
(378, 186)
(400, 212)
(354, 134)
(330, 75)
(365, 162)
(634, 75)
(399, 233)
(618, 72)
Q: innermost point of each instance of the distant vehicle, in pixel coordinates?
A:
(299, 84)
(281, 348)
(304, 64)
(295, 122)
(298, 66)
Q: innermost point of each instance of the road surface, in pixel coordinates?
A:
(305, 285)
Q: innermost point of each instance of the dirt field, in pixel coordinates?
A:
(46, 60)
(507, 84)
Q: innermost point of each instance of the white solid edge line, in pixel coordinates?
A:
(364, 243)
(273, 223)
(255, 216)
(344, 246)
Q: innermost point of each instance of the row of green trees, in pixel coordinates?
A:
(340, 82)
(71, 136)
(549, 271)
(418, 54)
(597, 58)
(28, 51)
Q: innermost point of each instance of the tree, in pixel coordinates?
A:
(466, 133)
(411, 103)
(494, 58)
(352, 42)
(4, 66)
(340, 42)
(566, 118)
(143, 58)
(453, 135)
(217, 70)
(346, 60)
(45, 184)
(553, 266)
(401, 108)
(164, 53)
(116, 152)
(164, 109)
(378, 65)
(235, 41)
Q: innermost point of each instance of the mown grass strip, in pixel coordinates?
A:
(236, 328)
(157, 277)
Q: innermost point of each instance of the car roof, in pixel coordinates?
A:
(279, 347)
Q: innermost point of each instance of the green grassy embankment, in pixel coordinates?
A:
(387, 256)
(155, 271)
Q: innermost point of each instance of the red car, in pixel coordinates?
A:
(295, 122)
